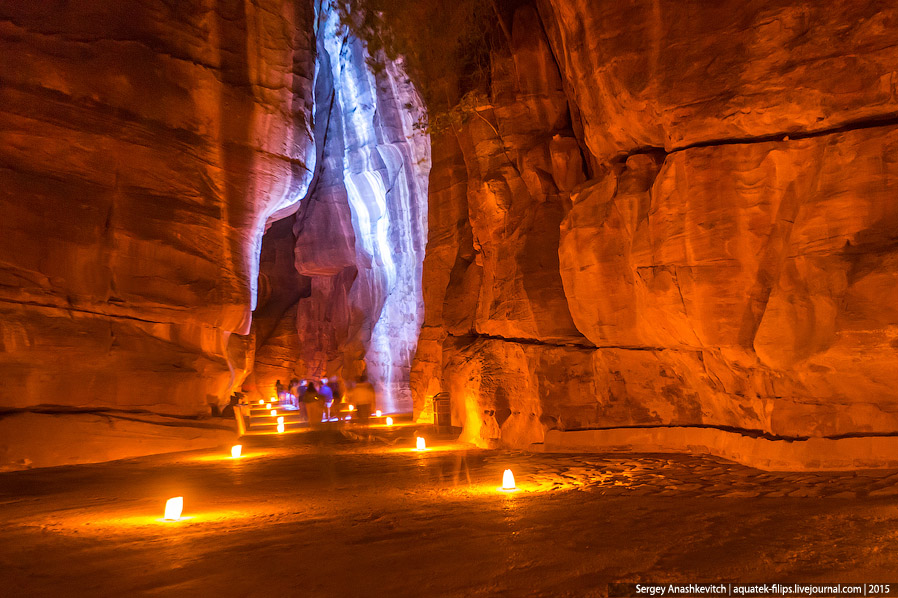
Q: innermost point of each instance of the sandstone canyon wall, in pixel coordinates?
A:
(199, 197)
(360, 233)
(143, 148)
(671, 214)
(665, 215)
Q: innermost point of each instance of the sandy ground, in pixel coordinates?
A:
(326, 515)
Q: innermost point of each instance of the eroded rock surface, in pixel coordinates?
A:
(669, 213)
(143, 146)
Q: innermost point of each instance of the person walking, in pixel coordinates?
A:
(327, 397)
(363, 397)
(293, 392)
(279, 390)
(313, 404)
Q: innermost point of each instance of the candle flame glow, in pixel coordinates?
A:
(389, 421)
(280, 419)
(274, 412)
(173, 508)
(236, 450)
(508, 480)
(421, 445)
(377, 413)
(352, 407)
(281, 428)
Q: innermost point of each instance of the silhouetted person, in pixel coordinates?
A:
(313, 404)
(337, 387)
(339, 391)
(228, 411)
(363, 397)
(327, 395)
(279, 389)
(293, 392)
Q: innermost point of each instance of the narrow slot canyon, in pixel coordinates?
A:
(324, 270)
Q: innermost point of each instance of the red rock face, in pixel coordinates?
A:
(671, 74)
(143, 145)
(627, 234)
(667, 212)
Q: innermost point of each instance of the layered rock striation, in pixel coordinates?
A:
(671, 214)
(143, 148)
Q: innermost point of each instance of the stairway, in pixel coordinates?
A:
(259, 421)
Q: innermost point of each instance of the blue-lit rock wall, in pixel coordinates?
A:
(361, 233)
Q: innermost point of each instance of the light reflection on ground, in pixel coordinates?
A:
(227, 458)
(339, 512)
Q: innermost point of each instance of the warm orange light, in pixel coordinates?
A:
(377, 413)
(281, 419)
(508, 480)
(261, 402)
(173, 508)
(274, 412)
(352, 407)
(389, 421)
(281, 428)
(236, 450)
(420, 442)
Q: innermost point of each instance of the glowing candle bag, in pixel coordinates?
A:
(508, 480)
(173, 508)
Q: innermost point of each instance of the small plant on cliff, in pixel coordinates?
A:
(453, 118)
(445, 47)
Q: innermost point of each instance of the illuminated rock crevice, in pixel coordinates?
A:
(360, 233)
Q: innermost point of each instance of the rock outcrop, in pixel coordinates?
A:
(143, 147)
(671, 214)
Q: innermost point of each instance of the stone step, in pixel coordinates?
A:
(268, 428)
(269, 431)
(273, 422)
(266, 412)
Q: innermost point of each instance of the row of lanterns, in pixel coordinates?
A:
(174, 506)
(274, 413)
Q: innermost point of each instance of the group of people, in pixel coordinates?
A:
(327, 399)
